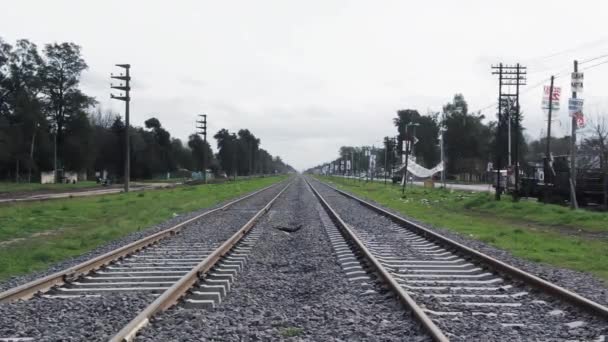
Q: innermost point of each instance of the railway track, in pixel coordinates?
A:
(455, 292)
(163, 267)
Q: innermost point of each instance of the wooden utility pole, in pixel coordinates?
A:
(202, 130)
(573, 202)
(126, 88)
(548, 147)
(508, 76)
(498, 127)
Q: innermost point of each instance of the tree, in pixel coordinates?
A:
(248, 148)
(597, 143)
(227, 149)
(467, 140)
(78, 146)
(19, 87)
(201, 151)
(61, 77)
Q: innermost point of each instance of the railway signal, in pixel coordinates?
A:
(126, 87)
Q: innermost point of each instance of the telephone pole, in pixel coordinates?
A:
(202, 130)
(547, 166)
(442, 147)
(573, 202)
(508, 76)
(127, 99)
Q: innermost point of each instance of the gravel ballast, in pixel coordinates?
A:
(292, 288)
(105, 248)
(585, 284)
(542, 317)
(97, 318)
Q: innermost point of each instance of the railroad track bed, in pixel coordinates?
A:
(466, 299)
(98, 304)
(108, 247)
(292, 285)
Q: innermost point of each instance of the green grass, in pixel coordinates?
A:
(291, 332)
(7, 187)
(34, 235)
(539, 232)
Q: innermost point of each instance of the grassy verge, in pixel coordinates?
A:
(7, 187)
(539, 232)
(34, 235)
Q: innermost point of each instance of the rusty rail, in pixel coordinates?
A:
(28, 290)
(496, 264)
(175, 292)
(405, 298)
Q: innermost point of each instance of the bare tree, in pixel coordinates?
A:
(598, 143)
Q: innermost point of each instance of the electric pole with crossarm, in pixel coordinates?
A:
(126, 88)
(202, 130)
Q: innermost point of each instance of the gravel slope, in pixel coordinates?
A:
(292, 288)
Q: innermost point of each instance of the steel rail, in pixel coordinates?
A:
(405, 298)
(172, 295)
(43, 284)
(503, 267)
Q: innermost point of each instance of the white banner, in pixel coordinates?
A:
(421, 171)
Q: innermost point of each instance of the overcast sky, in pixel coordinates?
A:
(307, 77)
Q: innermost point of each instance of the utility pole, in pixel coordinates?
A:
(442, 138)
(126, 88)
(202, 130)
(234, 149)
(55, 152)
(386, 142)
(573, 202)
(547, 169)
(407, 157)
(517, 128)
(508, 76)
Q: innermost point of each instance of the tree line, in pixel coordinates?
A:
(470, 143)
(46, 119)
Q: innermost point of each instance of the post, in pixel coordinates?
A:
(127, 99)
(234, 149)
(516, 148)
(498, 154)
(573, 202)
(55, 154)
(442, 149)
(385, 158)
(202, 130)
(548, 147)
(407, 157)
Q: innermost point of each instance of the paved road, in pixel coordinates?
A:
(94, 192)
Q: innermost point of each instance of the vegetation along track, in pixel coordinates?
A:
(93, 300)
(458, 293)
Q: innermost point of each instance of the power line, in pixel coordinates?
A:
(592, 59)
(593, 66)
(562, 52)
